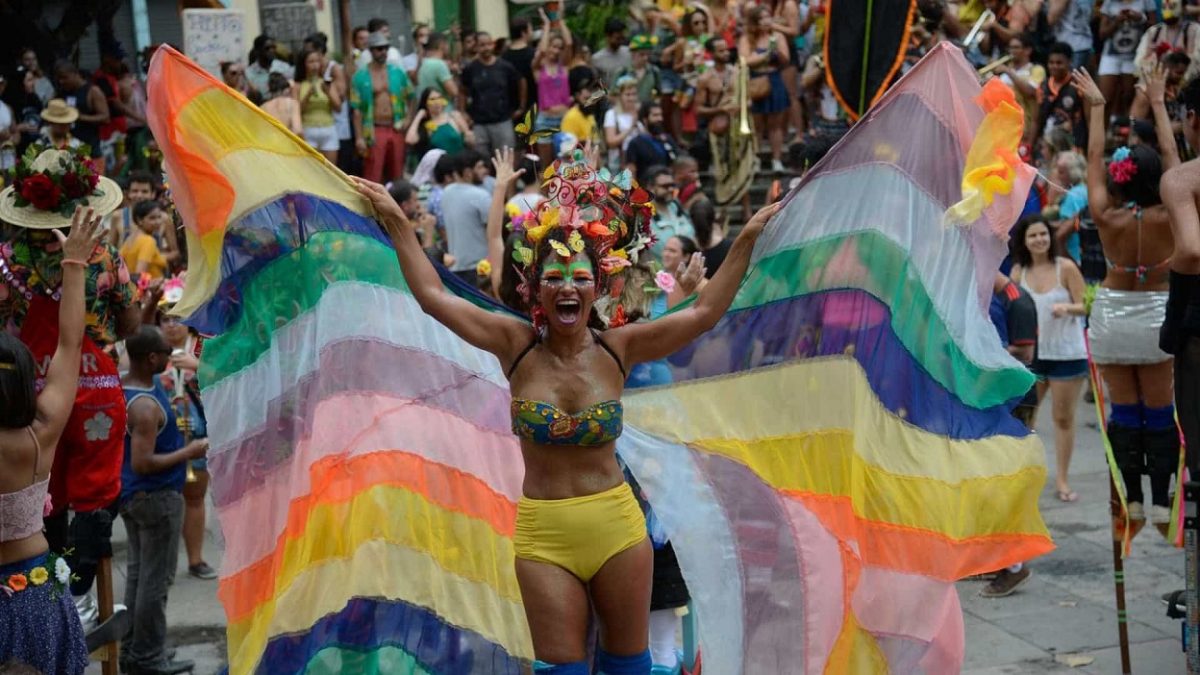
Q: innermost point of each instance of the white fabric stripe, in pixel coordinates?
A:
(699, 530)
(391, 316)
(906, 215)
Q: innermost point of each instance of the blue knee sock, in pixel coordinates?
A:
(576, 668)
(1159, 418)
(1127, 415)
(638, 664)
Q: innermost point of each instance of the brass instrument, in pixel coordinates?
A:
(993, 65)
(976, 33)
(182, 419)
(743, 97)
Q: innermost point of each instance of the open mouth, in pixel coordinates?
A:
(568, 311)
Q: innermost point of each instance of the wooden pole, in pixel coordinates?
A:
(1119, 577)
(104, 598)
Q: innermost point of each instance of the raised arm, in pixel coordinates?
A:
(505, 177)
(57, 399)
(1154, 86)
(1097, 182)
(499, 334)
(641, 342)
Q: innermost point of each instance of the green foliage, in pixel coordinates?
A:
(586, 19)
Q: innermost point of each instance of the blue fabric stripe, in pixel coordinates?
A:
(370, 623)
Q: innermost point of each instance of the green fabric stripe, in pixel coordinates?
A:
(274, 298)
(387, 659)
(874, 263)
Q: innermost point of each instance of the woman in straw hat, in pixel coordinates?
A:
(48, 186)
(59, 117)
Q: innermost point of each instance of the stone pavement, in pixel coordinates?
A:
(1065, 610)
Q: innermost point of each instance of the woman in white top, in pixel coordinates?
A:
(620, 122)
(1056, 285)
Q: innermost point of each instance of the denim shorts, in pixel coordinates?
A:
(1059, 370)
(545, 121)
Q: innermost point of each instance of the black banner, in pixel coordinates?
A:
(865, 43)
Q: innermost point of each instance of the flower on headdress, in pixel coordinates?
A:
(512, 210)
(613, 264)
(1122, 169)
(596, 229)
(665, 281)
(38, 576)
(484, 268)
(618, 318)
(17, 582)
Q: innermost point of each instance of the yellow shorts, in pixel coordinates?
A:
(579, 534)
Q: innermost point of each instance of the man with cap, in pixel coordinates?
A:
(378, 97)
(86, 474)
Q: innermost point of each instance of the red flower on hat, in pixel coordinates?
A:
(41, 191)
(74, 186)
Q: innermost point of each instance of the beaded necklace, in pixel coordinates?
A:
(12, 280)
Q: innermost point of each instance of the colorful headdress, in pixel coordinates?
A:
(1122, 169)
(589, 209)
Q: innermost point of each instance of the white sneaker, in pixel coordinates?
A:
(1136, 512)
(1160, 514)
(777, 166)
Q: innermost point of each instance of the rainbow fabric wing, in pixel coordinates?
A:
(364, 473)
(827, 461)
(839, 449)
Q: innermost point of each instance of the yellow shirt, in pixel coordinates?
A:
(579, 125)
(141, 248)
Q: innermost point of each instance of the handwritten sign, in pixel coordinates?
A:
(211, 36)
(289, 24)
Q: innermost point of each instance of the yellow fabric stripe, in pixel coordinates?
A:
(819, 397)
(824, 462)
(474, 586)
(240, 141)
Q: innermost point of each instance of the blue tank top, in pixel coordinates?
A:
(169, 440)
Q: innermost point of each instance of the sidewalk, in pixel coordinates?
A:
(1066, 609)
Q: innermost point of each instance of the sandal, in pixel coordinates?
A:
(1067, 496)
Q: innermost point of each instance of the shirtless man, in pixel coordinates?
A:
(379, 93)
(1180, 190)
(734, 158)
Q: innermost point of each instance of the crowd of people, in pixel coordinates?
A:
(460, 133)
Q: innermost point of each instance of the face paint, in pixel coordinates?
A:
(580, 272)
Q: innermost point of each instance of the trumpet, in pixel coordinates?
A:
(743, 97)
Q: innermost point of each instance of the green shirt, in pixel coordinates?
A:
(433, 73)
(362, 98)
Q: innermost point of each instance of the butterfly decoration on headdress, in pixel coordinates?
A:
(527, 134)
(590, 209)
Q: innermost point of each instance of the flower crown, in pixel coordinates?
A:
(1122, 169)
(56, 182)
(589, 209)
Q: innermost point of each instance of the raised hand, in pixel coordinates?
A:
(503, 163)
(391, 216)
(1154, 83)
(691, 274)
(758, 221)
(1087, 88)
(85, 235)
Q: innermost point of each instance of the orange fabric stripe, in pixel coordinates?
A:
(338, 479)
(205, 195)
(921, 552)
